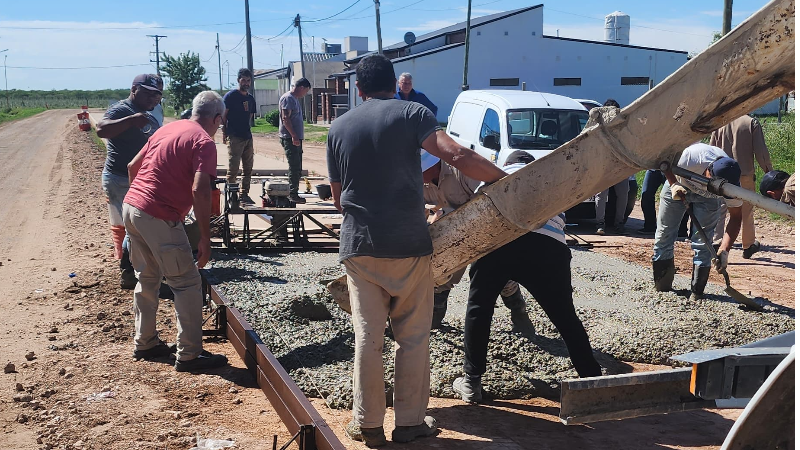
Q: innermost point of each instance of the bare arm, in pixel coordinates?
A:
(225, 125)
(201, 195)
(336, 190)
(287, 123)
(111, 128)
(135, 165)
(467, 161)
(732, 229)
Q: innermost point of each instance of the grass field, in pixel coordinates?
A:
(9, 114)
(313, 133)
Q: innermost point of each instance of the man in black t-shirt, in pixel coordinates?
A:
(239, 109)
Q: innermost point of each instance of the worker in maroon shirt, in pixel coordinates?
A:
(169, 176)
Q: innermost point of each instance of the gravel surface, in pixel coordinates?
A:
(284, 298)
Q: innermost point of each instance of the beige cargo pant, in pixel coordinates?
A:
(240, 150)
(401, 289)
(748, 233)
(160, 248)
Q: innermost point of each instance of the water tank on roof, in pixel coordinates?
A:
(618, 28)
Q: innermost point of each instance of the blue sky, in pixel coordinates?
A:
(58, 34)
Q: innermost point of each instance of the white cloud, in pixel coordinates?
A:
(81, 44)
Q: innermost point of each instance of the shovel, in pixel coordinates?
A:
(734, 294)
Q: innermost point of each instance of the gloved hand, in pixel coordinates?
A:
(721, 263)
(678, 192)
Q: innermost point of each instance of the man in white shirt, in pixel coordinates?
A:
(709, 161)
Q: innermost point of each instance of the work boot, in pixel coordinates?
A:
(749, 251)
(205, 360)
(663, 274)
(601, 229)
(439, 308)
(127, 277)
(519, 313)
(470, 390)
(371, 437)
(297, 199)
(160, 350)
(408, 434)
(699, 280)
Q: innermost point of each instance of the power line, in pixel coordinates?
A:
(235, 47)
(451, 9)
(340, 12)
(152, 27)
(277, 35)
(78, 68)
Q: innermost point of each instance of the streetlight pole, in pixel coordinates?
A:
(5, 76)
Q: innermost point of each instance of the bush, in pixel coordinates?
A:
(273, 117)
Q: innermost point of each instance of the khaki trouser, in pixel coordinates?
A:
(240, 150)
(401, 289)
(160, 248)
(748, 222)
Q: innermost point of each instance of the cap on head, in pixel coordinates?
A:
(147, 81)
(728, 169)
(427, 160)
(774, 180)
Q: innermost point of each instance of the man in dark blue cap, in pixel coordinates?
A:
(778, 185)
(709, 161)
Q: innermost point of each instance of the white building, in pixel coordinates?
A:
(508, 49)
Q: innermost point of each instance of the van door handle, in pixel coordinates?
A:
(472, 146)
(455, 134)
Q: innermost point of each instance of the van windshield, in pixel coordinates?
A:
(543, 129)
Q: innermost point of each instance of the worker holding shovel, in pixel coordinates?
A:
(678, 195)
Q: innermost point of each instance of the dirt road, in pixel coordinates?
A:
(82, 389)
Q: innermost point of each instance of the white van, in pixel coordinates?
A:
(495, 123)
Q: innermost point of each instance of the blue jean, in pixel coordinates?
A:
(116, 187)
(670, 213)
(653, 179)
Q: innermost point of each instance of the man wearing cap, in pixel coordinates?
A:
(540, 261)
(291, 133)
(239, 109)
(778, 185)
(743, 140)
(676, 196)
(127, 125)
(448, 188)
(374, 169)
(406, 91)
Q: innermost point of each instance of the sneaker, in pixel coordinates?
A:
(749, 251)
(159, 351)
(646, 231)
(601, 231)
(620, 229)
(371, 437)
(408, 434)
(205, 360)
(470, 391)
(127, 279)
(297, 199)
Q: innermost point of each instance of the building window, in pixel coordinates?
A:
(504, 82)
(635, 81)
(566, 81)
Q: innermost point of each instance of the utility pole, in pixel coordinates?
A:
(378, 25)
(465, 84)
(249, 40)
(313, 65)
(219, 64)
(5, 77)
(300, 35)
(158, 54)
(727, 13)
(281, 55)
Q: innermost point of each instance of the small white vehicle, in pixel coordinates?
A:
(588, 104)
(495, 123)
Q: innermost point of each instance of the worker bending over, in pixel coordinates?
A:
(448, 188)
(169, 176)
(374, 169)
(540, 261)
(678, 195)
(778, 185)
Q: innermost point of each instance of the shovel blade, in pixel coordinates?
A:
(743, 299)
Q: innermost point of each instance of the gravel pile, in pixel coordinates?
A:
(284, 298)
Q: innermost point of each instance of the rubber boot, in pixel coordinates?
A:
(439, 308)
(127, 277)
(663, 274)
(699, 280)
(519, 313)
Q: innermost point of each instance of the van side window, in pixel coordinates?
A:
(490, 125)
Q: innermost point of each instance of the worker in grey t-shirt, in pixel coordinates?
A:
(290, 131)
(374, 169)
(127, 125)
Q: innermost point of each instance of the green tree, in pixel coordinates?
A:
(186, 78)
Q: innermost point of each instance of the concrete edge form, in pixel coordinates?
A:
(292, 406)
